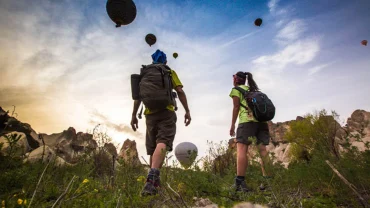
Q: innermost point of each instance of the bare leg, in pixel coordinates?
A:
(158, 156)
(242, 159)
(265, 160)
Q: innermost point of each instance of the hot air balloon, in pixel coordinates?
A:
(122, 12)
(186, 152)
(364, 42)
(150, 39)
(258, 22)
(175, 55)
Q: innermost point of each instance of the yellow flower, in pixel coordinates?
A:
(95, 190)
(14, 195)
(181, 187)
(19, 201)
(25, 202)
(141, 179)
(3, 203)
(85, 181)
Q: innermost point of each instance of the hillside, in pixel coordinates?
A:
(82, 169)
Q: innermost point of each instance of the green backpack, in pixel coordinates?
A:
(155, 88)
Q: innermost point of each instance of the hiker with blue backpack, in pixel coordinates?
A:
(154, 88)
(254, 109)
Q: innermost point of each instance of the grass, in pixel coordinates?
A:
(95, 181)
(86, 185)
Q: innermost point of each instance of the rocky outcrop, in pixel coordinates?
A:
(201, 202)
(358, 125)
(129, 152)
(69, 144)
(45, 154)
(111, 149)
(20, 146)
(278, 130)
(64, 147)
(10, 124)
(249, 205)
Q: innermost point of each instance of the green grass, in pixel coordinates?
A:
(310, 184)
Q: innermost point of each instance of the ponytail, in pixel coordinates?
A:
(251, 83)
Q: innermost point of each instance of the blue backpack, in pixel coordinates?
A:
(262, 107)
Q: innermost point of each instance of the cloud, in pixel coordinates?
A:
(300, 52)
(272, 4)
(237, 39)
(101, 119)
(291, 32)
(318, 68)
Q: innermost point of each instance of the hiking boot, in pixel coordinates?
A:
(149, 189)
(240, 186)
(152, 183)
(263, 186)
(265, 183)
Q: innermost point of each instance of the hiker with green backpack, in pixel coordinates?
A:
(154, 88)
(254, 109)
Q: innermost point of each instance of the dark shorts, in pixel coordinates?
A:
(160, 128)
(247, 132)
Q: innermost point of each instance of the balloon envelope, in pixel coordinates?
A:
(364, 42)
(150, 39)
(122, 12)
(175, 55)
(186, 152)
(258, 22)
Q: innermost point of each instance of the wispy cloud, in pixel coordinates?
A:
(291, 32)
(98, 118)
(238, 39)
(300, 52)
(318, 68)
(272, 4)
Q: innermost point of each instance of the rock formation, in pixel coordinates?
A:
(358, 124)
(64, 147)
(129, 152)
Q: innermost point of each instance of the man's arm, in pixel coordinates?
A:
(134, 121)
(184, 102)
(236, 106)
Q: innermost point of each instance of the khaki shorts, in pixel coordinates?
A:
(247, 132)
(161, 128)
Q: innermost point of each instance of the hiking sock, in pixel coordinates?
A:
(239, 179)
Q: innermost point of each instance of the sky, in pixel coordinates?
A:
(64, 64)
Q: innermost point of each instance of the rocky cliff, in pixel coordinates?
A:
(64, 147)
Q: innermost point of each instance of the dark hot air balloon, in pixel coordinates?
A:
(122, 12)
(175, 55)
(258, 22)
(364, 42)
(150, 39)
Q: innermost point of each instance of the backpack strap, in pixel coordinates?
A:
(243, 92)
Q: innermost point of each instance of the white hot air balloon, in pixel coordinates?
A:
(186, 152)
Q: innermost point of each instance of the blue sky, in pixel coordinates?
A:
(63, 63)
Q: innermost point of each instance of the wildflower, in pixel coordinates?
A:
(14, 195)
(181, 187)
(25, 202)
(85, 181)
(141, 179)
(3, 203)
(95, 190)
(19, 201)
